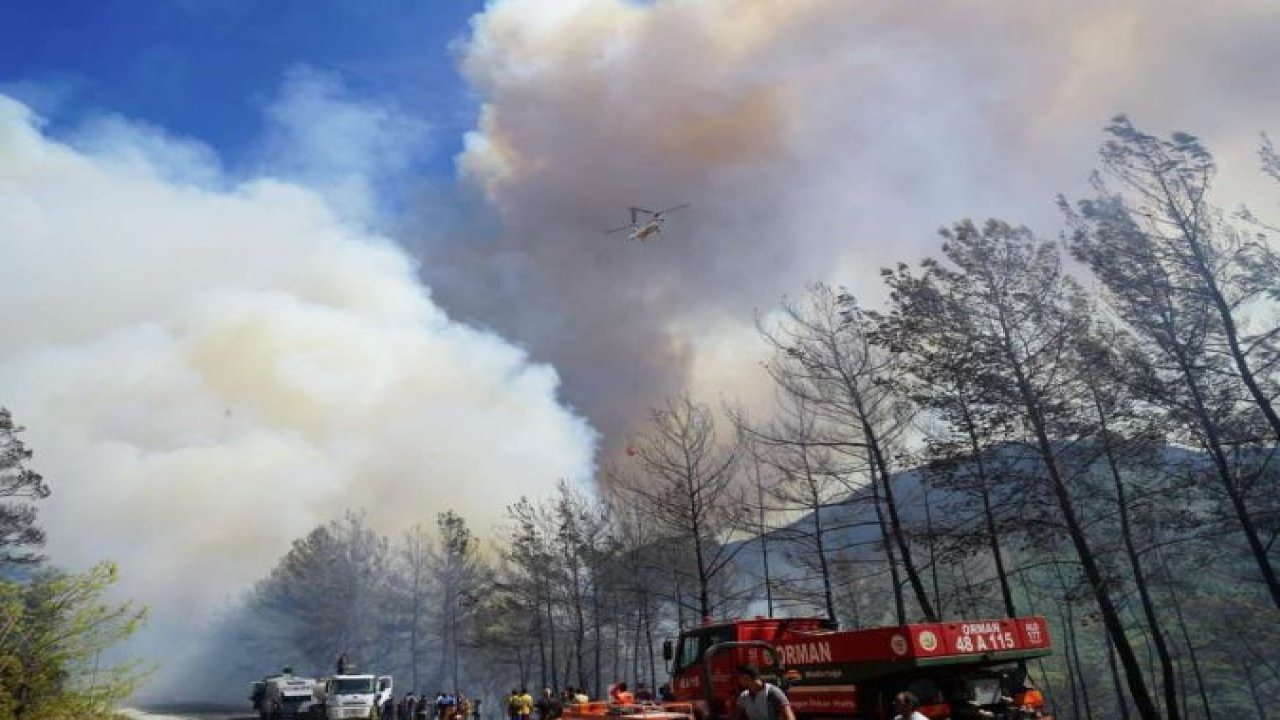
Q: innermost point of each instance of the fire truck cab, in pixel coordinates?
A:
(958, 670)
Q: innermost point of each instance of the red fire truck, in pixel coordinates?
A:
(962, 669)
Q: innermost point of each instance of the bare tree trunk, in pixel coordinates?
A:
(1075, 659)
(1259, 703)
(599, 639)
(675, 574)
(1186, 639)
(1122, 702)
(1067, 641)
(568, 668)
(895, 523)
(551, 637)
(636, 660)
(1168, 676)
(413, 649)
(648, 641)
(580, 620)
(829, 600)
(1184, 694)
(617, 643)
(523, 665)
(538, 631)
(899, 603)
(933, 552)
(704, 574)
(764, 542)
(456, 650)
(1219, 456)
(1073, 655)
(993, 534)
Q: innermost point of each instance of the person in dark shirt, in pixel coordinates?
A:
(761, 700)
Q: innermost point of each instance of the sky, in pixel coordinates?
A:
(207, 68)
(263, 262)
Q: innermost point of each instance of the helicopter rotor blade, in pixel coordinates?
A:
(673, 208)
(619, 229)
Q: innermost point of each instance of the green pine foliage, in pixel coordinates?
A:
(55, 635)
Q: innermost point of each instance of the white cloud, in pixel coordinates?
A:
(142, 148)
(352, 152)
(206, 374)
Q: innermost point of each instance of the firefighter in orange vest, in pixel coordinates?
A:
(620, 695)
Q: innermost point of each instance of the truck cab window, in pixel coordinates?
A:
(693, 647)
(690, 651)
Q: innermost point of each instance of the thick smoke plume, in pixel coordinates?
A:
(210, 369)
(815, 140)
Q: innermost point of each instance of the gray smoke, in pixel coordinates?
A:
(815, 140)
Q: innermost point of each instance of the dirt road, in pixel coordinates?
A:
(190, 712)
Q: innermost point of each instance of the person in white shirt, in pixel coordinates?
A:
(906, 703)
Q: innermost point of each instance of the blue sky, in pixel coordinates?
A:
(206, 69)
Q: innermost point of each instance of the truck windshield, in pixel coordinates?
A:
(353, 686)
(695, 644)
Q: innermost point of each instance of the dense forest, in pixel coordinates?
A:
(1082, 427)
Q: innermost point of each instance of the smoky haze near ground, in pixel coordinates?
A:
(814, 141)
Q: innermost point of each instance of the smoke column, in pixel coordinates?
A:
(815, 140)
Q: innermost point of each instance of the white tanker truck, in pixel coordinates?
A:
(351, 697)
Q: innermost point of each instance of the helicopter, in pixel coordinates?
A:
(642, 229)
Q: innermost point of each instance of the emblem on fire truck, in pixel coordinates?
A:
(898, 644)
(1033, 631)
(928, 641)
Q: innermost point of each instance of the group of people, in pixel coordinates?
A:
(759, 700)
(445, 706)
(551, 704)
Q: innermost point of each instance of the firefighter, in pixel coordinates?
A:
(548, 706)
(620, 695)
(524, 704)
(761, 700)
